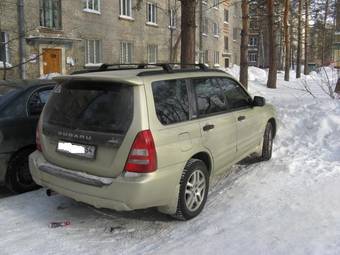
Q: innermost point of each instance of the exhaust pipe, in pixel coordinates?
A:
(50, 192)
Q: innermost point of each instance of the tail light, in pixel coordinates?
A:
(37, 138)
(142, 157)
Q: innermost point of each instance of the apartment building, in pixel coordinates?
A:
(61, 36)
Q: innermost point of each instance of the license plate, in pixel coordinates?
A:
(82, 150)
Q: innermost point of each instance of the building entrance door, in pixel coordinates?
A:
(51, 61)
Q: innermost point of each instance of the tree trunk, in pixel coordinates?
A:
(306, 70)
(244, 44)
(323, 42)
(298, 54)
(271, 83)
(188, 28)
(287, 42)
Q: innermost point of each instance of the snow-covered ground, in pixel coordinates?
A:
(288, 205)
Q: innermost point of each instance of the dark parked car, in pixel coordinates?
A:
(21, 103)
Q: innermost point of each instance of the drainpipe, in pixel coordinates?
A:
(200, 45)
(21, 30)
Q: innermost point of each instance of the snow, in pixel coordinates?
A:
(49, 76)
(8, 65)
(288, 205)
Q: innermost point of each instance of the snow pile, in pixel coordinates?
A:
(8, 65)
(288, 205)
(49, 76)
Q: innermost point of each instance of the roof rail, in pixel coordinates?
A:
(167, 67)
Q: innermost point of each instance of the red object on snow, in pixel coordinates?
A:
(60, 224)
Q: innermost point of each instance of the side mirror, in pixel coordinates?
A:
(259, 101)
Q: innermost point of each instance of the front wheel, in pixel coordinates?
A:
(267, 147)
(194, 186)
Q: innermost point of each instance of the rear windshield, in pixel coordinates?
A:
(91, 105)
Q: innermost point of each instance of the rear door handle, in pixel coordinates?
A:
(240, 118)
(208, 127)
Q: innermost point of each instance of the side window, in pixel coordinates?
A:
(209, 95)
(37, 101)
(16, 108)
(171, 101)
(236, 96)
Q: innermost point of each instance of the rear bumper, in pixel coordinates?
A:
(121, 193)
(4, 158)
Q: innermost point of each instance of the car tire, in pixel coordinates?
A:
(194, 187)
(267, 146)
(18, 176)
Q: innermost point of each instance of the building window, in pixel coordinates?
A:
(235, 33)
(4, 49)
(152, 54)
(215, 29)
(126, 52)
(216, 57)
(50, 13)
(151, 13)
(226, 16)
(226, 43)
(205, 26)
(216, 3)
(252, 57)
(205, 56)
(172, 18)
(93, 49)
(125, 8)
(92, 6)
(253, 41)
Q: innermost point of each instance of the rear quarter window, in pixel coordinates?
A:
(171, 101)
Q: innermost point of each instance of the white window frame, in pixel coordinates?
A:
(151, 13)
(127, 11)
(173, 17)
(216, 4)
(224, 16)
(152, 47)
(95, 53)
(92, 10)
(205, 28)
(6, 50)
(126, 52)
(252, 57)
(215, 30)
(253, 41)
(216, 58)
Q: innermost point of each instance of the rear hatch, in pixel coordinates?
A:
(84, 125)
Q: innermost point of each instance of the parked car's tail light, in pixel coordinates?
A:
(37, 138)
(142, 157)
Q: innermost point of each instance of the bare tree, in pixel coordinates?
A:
(272, 76)
(323, 43)
(305, 70)
(286, 35)
(244, 44)
(188, 31)
(299, 43)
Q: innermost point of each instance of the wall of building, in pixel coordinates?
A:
(8, 23)
(79, 25)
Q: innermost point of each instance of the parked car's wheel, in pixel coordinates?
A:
(18, 177)
(267, 147)
(194, 186)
